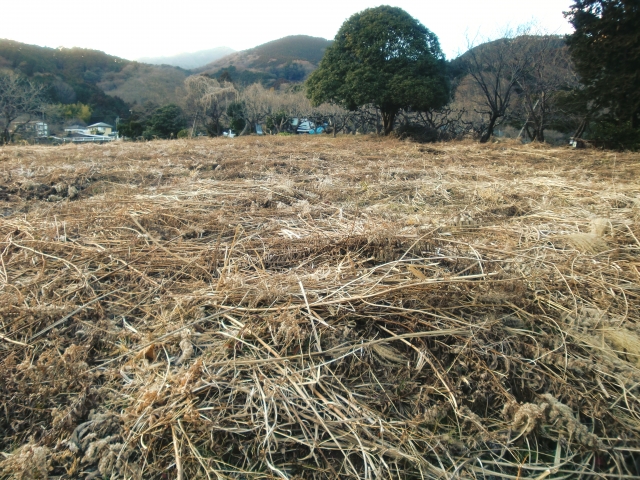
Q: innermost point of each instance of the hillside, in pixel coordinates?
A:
(104, 82)
(140, 83)
(306, 307)
(291, 58)
(529, 43)
(190, 60)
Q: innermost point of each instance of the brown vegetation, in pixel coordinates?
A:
(309, 307)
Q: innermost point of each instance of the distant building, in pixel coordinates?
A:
(76, 129)
(41, 129)
(98, 132)
(100, 129)
(32, 128)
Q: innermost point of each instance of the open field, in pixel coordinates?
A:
(309, 307)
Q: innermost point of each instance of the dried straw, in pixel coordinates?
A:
(305, 307)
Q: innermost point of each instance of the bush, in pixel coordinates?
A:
(166, 122)
(417, 133)
(615, 136)
(184, 133)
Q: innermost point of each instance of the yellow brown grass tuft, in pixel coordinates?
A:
(308, 307)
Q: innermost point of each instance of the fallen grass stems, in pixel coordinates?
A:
(307, 307)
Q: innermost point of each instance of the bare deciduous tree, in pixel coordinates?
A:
(446, 123)
(19, 97)
(338, 117)
(548, 74)
(206, 100)
(496, 67)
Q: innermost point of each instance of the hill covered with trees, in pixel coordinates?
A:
(106, 84)
(290, 58)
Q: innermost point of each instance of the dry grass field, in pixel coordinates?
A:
(310, 307)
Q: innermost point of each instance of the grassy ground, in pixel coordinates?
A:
(309, 307)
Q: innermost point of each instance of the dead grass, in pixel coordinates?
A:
(300, 307)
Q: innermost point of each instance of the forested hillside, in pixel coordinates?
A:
(108, 85)
(290, 58)
(70, 75)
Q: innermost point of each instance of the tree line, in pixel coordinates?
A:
(385, 73)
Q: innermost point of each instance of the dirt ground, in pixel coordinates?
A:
(310, 307)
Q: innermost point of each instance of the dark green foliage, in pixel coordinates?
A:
(133, 127)
(614, 135)
(166, 122)
(385, 57)
(606, 51)
(293, 72)
(225, 76)
(104, 108)
(276, 121)
(235, 112)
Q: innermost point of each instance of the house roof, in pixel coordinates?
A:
(86, 135)
(101, 124)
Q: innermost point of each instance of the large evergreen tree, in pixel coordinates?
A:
(606, 50)
(385, 57)
(166, 122)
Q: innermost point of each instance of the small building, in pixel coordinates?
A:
(84, 138)
(100, 129)
(75, 129)
(32, 129)
(42, 129)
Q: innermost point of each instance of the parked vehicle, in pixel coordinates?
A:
(229, 134)
(306, 126)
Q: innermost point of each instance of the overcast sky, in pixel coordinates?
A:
(138, 28)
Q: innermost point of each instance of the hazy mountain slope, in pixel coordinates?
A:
(140, 82)
(291, 58)
(190, 60)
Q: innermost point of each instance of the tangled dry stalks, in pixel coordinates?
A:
(306, 307)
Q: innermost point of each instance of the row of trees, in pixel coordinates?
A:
(385, 58)
(385, 71)
(521, 80)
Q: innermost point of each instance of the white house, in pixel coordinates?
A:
(76, 129)
(100, 129)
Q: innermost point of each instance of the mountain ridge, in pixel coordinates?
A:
(290, 58)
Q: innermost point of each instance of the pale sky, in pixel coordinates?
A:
(139, 28)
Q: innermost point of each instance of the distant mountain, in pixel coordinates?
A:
(290, 58)
(190, 60)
